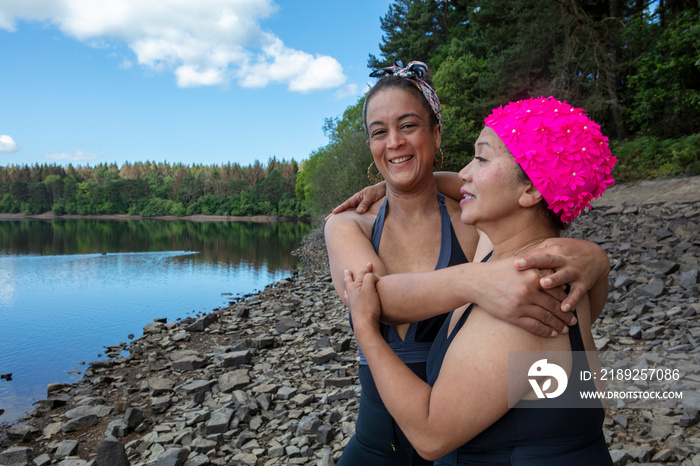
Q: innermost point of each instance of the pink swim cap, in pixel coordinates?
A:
(562, 151)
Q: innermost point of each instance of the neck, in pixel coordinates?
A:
(407, 205)
(516, 236)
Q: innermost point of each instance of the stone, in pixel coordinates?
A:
(203, 322)
(234, 359)
(323, 356)
(111, 452)
(160, 385)
(161, 403)
(219, 421)
(80, 423)
(172, 457)
(66, 448)
(23, 433)
(133, 417)
(234, 380)
(16, 455)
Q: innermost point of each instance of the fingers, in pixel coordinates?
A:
(559, 278)
(349, 279)
(365, 204)
(570, 301)
(538, 259)
(536, 327)
(348, 204)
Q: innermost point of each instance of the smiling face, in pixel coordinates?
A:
(492, 190)
(401, 138)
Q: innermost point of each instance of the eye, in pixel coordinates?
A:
(479, 158)
(377, 133)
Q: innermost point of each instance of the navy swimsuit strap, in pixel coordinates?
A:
(445, 232)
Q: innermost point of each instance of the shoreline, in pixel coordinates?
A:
(272, 378)
(189, 218)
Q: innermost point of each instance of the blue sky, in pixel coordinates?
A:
(207, 81)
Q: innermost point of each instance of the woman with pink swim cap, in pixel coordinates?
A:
(538, 164)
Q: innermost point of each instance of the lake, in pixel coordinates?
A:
(70, 287)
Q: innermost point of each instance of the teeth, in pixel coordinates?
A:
(401, 159)
(468, 196)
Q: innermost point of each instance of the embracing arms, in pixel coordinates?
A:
(472, 389)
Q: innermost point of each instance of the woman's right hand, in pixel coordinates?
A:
(362, 200)
(363, 300)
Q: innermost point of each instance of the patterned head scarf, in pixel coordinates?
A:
(414, 72)
(561, 149)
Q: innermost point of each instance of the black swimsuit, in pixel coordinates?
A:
(378, 439)
(534, 432)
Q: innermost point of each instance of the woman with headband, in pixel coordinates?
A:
(400, 234)
(538, 164)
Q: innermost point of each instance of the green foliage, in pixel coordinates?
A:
(152, 189)
(635, 71)
(334, 173)
(665, 83)
(651, 157)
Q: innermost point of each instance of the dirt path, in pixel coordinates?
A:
(654, 191)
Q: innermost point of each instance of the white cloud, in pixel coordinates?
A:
(346, 91)
(78, 156)
(203, 43)
(303, 72)
(7, 144)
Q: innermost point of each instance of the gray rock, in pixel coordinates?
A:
(161, 403)
(324, 356)
(653, 289)
(16, 455)
(173, 457)
(111, 452)
(198, 386)
(160, 385)
(23, 432)
(80, 423)
(66, 448)
(234, 380)
(203, 322)
(133, 417)
(219, 421)
(85, 410)
(189, 363)
(234, 359)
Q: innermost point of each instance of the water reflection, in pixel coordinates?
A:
(69, 287)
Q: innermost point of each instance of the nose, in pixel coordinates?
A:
(465, 174)
(395, 139)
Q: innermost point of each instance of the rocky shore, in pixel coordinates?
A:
(272, 378)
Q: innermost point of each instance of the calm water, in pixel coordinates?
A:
(68, 287)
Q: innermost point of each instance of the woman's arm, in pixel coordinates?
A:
(471, 391)
(496, 286)
(447, 183)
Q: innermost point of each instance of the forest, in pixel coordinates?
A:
(152, 189)
(633, 65)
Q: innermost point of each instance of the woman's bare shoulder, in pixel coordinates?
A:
(351, 220)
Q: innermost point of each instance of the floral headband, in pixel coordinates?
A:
(561, 150)
(414, 72)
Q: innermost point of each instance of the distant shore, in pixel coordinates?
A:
(189, 218)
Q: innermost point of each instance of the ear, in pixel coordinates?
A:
(437, 134)
(367, 142)
(530, 196)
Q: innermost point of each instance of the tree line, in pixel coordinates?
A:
(152, 189)
(634, 65)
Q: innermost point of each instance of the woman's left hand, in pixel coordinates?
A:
(362, 298)
(579, 263)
